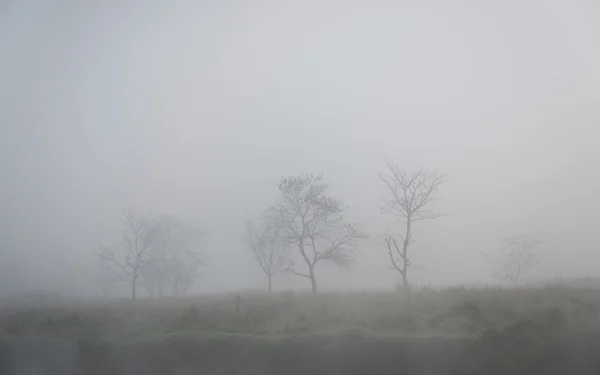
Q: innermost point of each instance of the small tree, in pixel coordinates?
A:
(312, 222)
(174, 259)
(268, 250)
(155, 273)
(409, 196)
(139, 235)
(515, 257)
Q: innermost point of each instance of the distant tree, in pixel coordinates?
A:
(515, 257)
(140, 233)
(409, 196)
(175, 258)
(268, 249)
(156, 273)
(311, 222)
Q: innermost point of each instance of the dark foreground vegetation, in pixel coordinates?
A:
(456, 331)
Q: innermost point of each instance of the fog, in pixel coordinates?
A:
(198, 110)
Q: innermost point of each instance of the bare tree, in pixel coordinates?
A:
(269, 251)
(156, 271)
(139, 235)
(312, 222)
(516, 256)
(185, 266)
(174, 259)
(409, 196)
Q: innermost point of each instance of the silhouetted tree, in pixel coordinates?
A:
(312, 222)
(409, 195)
(269, 251)
(514, 257)
(139, 235)
(174, 260)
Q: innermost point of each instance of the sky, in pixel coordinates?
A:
(197, 109)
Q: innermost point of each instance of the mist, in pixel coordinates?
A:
(197, 110)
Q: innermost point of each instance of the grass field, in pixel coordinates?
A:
(435, 332)
(449, 313)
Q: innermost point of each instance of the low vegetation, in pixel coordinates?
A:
(486, 314)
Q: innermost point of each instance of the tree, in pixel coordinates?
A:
(174, 260)
(139, 235)
(312, 222)
(516, 256)
(155, 273)
(409, 194)
(269, 251)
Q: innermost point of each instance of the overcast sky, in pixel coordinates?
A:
(198, 108)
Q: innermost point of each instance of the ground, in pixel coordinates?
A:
(507, 327)
(449, 313)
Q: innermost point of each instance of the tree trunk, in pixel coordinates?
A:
(313, 282)
(405, 283)
(133, 285)
(405, 245)
(270, 282)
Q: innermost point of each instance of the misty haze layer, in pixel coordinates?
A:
(198, 110)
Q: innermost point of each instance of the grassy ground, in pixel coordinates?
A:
(535, 314)
(550, 331)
